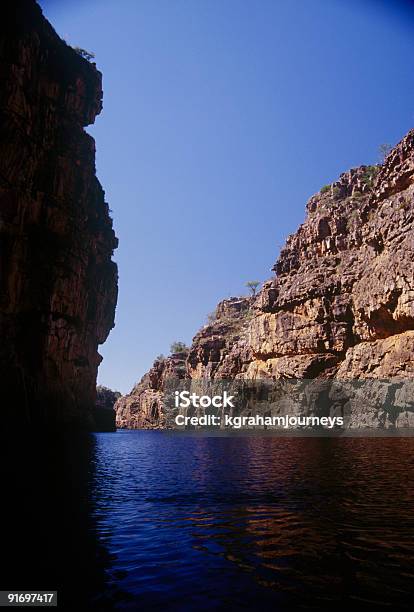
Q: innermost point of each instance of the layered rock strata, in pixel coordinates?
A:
(58, 283)
(341, 305)
(143, 408)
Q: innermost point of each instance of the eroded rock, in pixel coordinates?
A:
(341, 306)
(58, 283)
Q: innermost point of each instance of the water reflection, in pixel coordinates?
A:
(241, 522)
(49, 537)
(148, 520)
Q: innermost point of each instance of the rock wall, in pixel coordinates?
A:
(341, 304)
(345, 279)
(58, 284)
(104, 414)
(143, 407)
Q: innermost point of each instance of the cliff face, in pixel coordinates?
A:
(341, 304)
(58, 285)
(344, 280)
(103, 412)
(143, 407)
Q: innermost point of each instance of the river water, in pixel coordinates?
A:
(208, 522)
(161, 521)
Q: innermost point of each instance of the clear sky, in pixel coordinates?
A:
(221, 118)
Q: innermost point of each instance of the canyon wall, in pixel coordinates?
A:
(340, 307)
(58, 283)
(103, 412)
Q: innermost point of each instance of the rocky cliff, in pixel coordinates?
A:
(341, 304)
(103, 412)
(58, 284)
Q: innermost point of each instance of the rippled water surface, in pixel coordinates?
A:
(212, 523)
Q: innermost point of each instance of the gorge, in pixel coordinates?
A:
(147, 519)
(341, 306)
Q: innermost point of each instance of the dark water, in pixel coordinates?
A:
(208, 523)
(155, 521)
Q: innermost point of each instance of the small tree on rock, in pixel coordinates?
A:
(179, 347)
(252, 286)
(384, 150)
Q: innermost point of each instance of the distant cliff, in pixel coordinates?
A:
(340, 306)
(58, 284)
(104, 413)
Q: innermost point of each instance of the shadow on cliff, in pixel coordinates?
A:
(48, 527)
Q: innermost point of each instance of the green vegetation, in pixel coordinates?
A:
(369, 175)
(252, 286)
(179, 347)
(325, 189)
(246, 314)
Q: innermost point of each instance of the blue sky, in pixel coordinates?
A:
(221, 118)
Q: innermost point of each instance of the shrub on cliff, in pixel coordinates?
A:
(252, 286)
(179, 347)
(369, 175)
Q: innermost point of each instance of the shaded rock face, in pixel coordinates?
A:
(341, 304)
(58, 285)
(103, 412)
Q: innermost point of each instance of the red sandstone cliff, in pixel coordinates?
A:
(340, 306)
(58, 284)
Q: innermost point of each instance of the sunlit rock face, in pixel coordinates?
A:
(58, 284)
(143, 408)
(344, 281)
(341, 305)
(346, 276)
